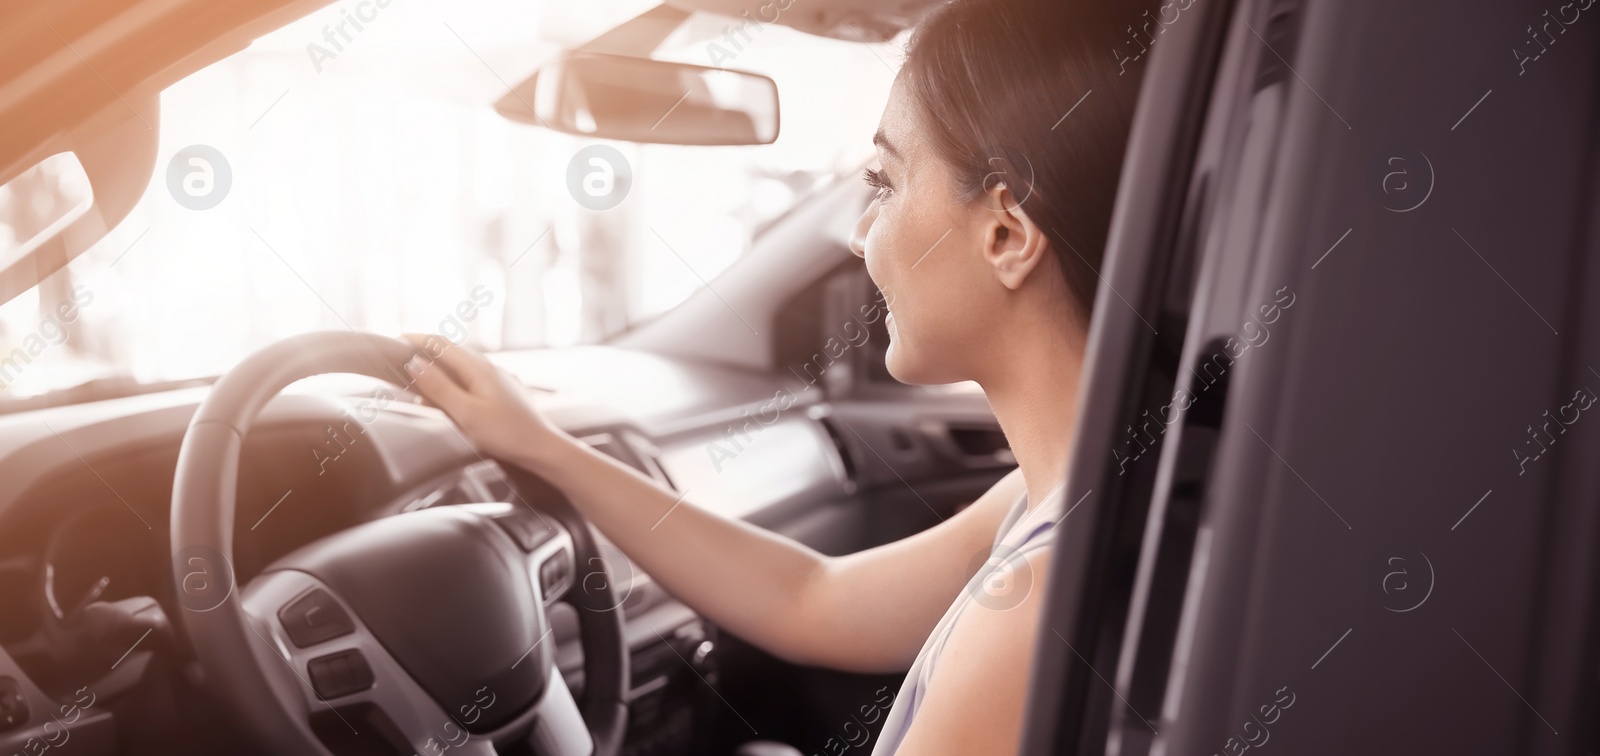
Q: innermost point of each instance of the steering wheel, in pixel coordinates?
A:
(426, 630)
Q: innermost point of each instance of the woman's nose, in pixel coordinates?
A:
(858, 237)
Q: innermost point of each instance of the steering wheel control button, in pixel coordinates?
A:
(13, 707)
(339, 674)
(315, 618)
(553, 575)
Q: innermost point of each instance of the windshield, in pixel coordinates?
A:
(349, 171)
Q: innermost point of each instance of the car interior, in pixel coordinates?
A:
(681, 398)
(1253, 566)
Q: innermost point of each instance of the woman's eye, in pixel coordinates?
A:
(878, 181)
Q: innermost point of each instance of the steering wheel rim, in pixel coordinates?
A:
(236, 645)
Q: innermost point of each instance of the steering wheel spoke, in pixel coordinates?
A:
(559, 730)
(339, 666)
(547, 543)
(343, 671)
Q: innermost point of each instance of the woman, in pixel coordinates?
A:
(999, 152)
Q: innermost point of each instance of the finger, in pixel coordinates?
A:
(436, 385)
(468, 367)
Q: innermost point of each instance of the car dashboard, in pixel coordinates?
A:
(90, 606)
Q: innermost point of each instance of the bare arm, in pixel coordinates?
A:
(865, 612)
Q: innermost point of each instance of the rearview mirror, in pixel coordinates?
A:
(641, 100)
(117, 161)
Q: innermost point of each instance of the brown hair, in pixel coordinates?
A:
(996, 81)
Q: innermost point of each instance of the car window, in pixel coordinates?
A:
(301, 184)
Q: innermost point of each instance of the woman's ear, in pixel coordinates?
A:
(1013, 245)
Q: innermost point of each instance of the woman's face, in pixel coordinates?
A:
(925, 252)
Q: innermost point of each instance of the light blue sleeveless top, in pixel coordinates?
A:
(1000, 584)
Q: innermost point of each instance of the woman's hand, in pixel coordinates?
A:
(487, 403)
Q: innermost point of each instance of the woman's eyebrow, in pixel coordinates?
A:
(882, 141)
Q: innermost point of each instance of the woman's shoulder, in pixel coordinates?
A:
(978, 679)
(1009, 489)
(1033, 526)
(991, 507)
(1017, 509)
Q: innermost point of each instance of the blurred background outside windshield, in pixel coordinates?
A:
(364, 199)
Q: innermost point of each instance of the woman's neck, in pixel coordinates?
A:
(1034, 396)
